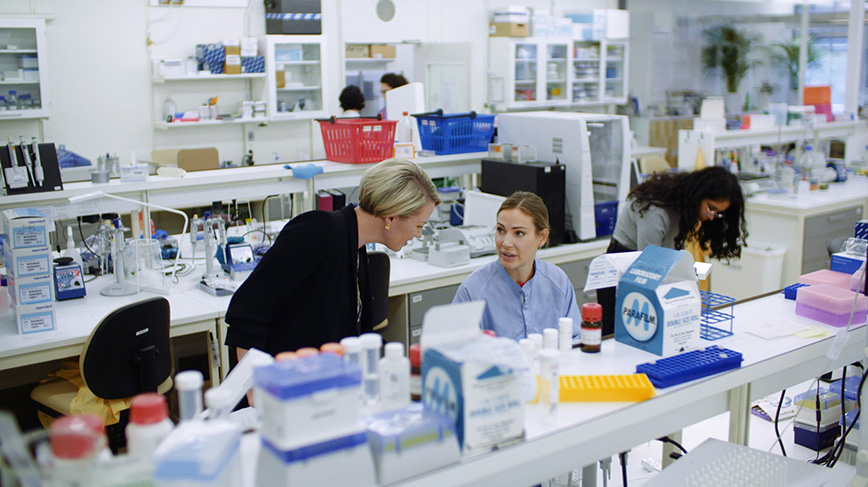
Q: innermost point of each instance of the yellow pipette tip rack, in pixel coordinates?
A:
(605, 388)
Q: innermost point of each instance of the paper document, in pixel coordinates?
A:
(606, 270)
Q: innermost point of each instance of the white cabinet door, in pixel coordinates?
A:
(297, 84)
(24, 66)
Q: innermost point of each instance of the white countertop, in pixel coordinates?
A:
(854, 189)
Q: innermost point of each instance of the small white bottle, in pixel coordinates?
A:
(71, 250)
(404, 129)
(549, 385)
(565, 335)
(149, 424)
(352, 350)
(394, 377)
(169, 109)
(191, 67)
(189, 386)
(550, 338)
(371, 343)
(537, 340)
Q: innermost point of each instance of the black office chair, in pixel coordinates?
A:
(379, 268)
(126, 354)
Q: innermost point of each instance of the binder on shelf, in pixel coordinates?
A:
(339, 199)
(324, 200)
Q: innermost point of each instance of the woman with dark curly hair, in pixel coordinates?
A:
(670, 209)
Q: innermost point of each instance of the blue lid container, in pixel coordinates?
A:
(299, 378)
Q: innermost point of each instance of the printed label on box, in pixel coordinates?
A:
(32, 265)
(35, 293)
(29, 236)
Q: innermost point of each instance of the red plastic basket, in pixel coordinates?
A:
(357, 140)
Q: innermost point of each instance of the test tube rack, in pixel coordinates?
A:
(790, 292)
(689, 366)
(713, 313)
(605, 388)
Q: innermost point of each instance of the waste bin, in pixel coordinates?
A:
(758, 271)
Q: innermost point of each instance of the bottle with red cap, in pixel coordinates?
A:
(76, 442)
(592, 327)
(415, 355)
(149, 424)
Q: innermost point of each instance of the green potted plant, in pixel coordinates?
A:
(786, 54)
(728, 51)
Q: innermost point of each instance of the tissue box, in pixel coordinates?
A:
(35, 318)
(483, 400)
(345, 461)
(846, 263)
(831, 304)
(30, 290)
(214, 55)
(410, 441)
(24, 228)
(862, 229)
(252, 64)
(27, 262)
(307, 400)
(657, 305)
(825, 276)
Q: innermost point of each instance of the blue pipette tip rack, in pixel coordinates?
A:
(689, 366)
(792, 290)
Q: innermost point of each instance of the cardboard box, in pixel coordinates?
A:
(232, 51)
(657, 305)
(35, 318)
(280, 79)
(382, 51)
(847, 263)
(232, 69)
(508, 29)
(358, 51)
(483, 399)
(24, 228)
(31, 290)
(26, 262)
(188, 159)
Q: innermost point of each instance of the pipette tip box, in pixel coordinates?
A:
(831, 305)
(689, 366)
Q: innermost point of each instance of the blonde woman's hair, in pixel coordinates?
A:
(396, 187)
(531, 205)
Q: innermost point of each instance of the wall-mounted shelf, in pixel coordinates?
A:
(205, 123)
(206, 77)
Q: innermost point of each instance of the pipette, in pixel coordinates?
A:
(38, 173)
(27, 162)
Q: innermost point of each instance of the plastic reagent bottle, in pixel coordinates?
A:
(352, 350)
(71, 251)
(169, 109)
(394, 377)
(149, 424)
(549, 387)
(592, 327)
(189, 387)
(404, 129)
(371, 343)
(565, 335)
(12, 101)
(76, 442)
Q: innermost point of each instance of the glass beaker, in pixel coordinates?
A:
(144, 262)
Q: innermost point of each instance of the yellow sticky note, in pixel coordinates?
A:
(813, 332)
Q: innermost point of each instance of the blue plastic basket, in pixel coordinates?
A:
(455, 133)
(689, 366)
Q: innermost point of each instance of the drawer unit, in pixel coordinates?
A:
(420, 302)
(819, 230)
(578, 273)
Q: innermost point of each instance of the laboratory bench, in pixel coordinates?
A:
(805, 222)
(581, 433)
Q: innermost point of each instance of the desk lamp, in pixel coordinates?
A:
(99, 194)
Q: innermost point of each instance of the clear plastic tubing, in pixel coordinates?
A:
(371, 344)
(189, 387)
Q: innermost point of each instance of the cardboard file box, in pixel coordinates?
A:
(508, 29)
(24, 228)
(382, 51)
(657, 305)
(484, 400)
(188, 159)
(27, 262)
(357, 51)
(35, 318)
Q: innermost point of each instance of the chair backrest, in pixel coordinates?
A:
(379, 268)
(653, 163)
(128, 351)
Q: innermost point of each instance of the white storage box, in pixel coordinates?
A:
(24, 228)
(30, 290)
(409, 441)
(758, 271)
(27, 262)
(134, 172)
(344, 461)
(308, 400)
(199, 454)
(35, 318)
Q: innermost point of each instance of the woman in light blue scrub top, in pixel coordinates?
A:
(523, 294)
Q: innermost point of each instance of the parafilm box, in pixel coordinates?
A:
(657, 305)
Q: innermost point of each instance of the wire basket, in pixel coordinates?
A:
(455, 133)
(714, 313)
(357, 140)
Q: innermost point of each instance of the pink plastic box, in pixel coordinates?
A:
(831, 305)
(825, 276)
